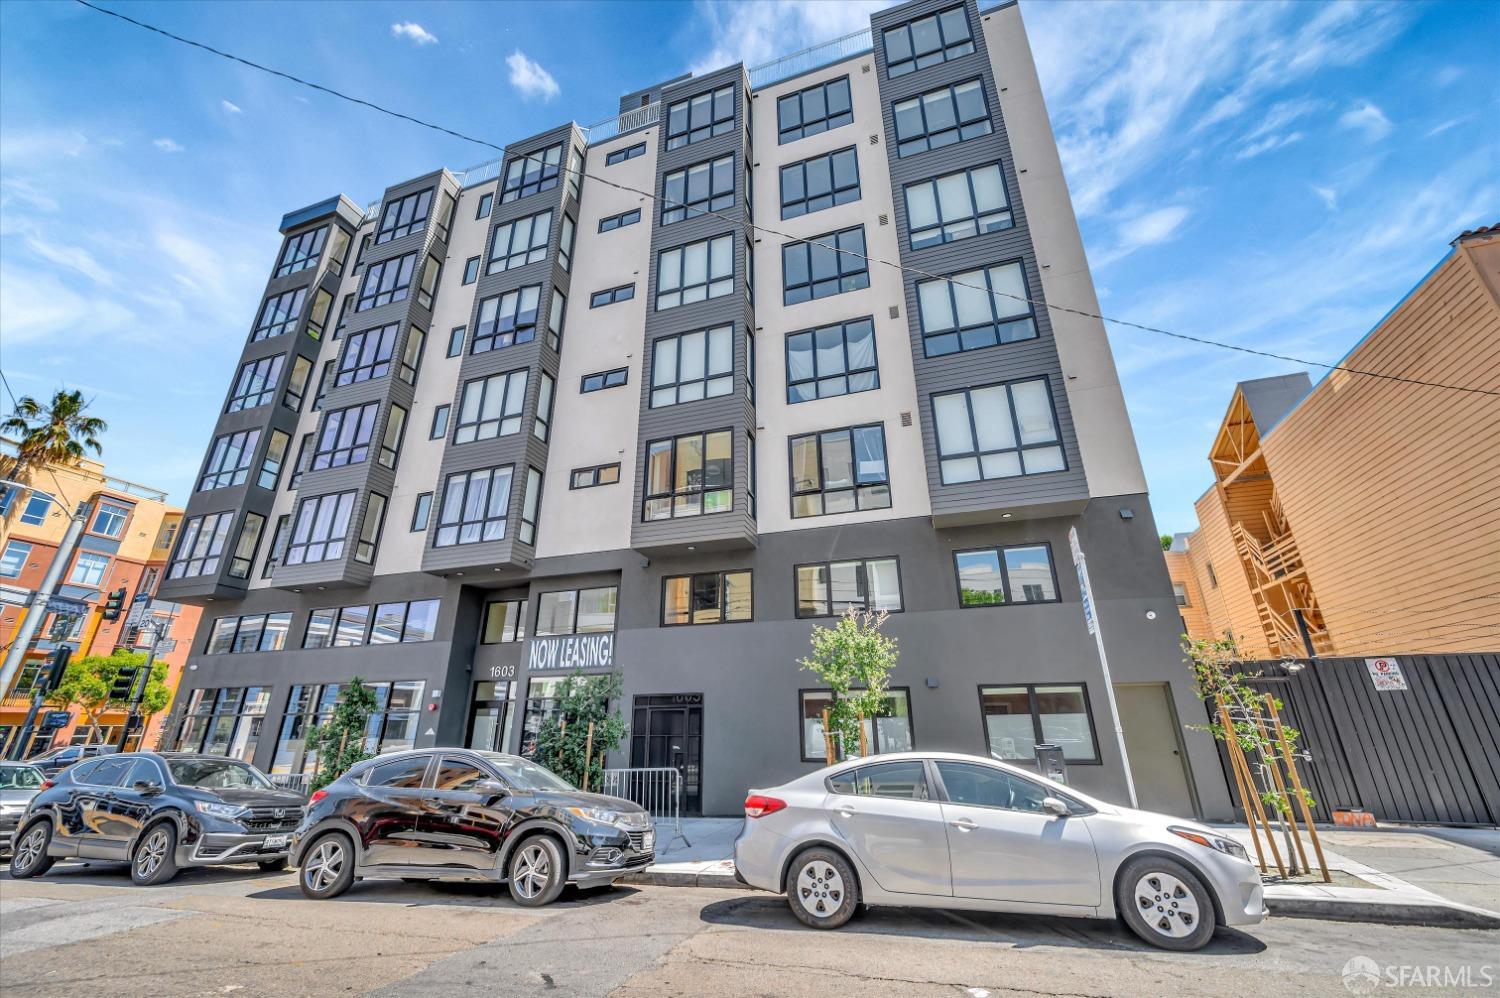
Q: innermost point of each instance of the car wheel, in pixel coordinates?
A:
(30, 858)
(821, 889)
(537, 874)
(272, 865)
(155, 858)
(1165, 903)
(327, 867)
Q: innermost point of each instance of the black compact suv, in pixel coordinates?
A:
(59, 759)
(460, 814)
(158, 811)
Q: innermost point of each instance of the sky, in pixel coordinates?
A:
(1275, 175)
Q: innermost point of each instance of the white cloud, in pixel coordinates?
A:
(1451, 123)
(1447, 76)
(1328, 195)
(529, 77)
(413, 31)
(167, 145)
(755, 32)
(1268, 144)
(1141, 229)
(38, 308)
(1366, 117)
(230, 107)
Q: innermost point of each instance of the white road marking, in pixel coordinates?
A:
(80, 927)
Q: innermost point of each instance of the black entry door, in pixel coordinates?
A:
(667, 730)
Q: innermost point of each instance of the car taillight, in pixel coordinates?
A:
(757, 806)
(317, 796)
(48, 784)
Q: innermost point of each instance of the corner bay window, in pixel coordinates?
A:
(392, 726)
(302, 251)
(385, 282)
(956, 206)
(825, 265)
(279, 314)
(474, 508)
(692, 366)
(577, 611)
(367, 355)
(927, 41)
(941, 117)
(831, 360)
(229, 460)
(695, 272)
(707, 598)
(320, 529)
(890, 731)
(491, 407)
(256, 383)
(1016, 718)
(515, 244)
(505, 320)
(346, 436)
(200, 546)
(994, 576)
(689, 475)
(997, 432)
(975, 309)
(403, 216)
(689, 192)
(530, 173)
(700, 117)
(833, 587)
(840, 471)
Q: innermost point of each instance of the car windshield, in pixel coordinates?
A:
(524, 775)
(20, 778)
(217, 774)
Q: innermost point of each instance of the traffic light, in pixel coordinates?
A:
(56, 669)
(114, 603)
(124, 680)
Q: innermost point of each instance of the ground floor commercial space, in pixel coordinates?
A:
(995, 656)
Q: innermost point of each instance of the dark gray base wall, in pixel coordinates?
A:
(748, 674)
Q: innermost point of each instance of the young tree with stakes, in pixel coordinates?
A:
(854, 660)
(573, 741)
(340, 741)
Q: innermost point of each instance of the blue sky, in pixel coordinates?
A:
(1270, 174)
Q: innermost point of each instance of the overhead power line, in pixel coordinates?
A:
(749, 225)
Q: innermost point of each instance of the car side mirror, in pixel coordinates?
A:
(492, 787)
(1055, 807)
(146, 787)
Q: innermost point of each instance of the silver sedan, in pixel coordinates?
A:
(941, 830)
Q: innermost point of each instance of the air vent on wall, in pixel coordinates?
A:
(895, 312)
(874, 140)
(885, 219)
(906, 419)
(864, 67)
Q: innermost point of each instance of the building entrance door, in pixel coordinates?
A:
(667, 730)
(488, 716)
(1152, 737)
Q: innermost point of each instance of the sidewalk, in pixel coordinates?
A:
(1402, 876)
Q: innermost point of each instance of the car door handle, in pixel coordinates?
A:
(846, 811)
(964, 825)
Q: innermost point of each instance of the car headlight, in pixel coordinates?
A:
(218, 810)
(1218, 843)
(603, 814)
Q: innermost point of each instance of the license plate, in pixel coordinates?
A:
(275, 842)
(648, 841)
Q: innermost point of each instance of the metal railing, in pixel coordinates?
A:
(290, 781)
(657, 789)
(823, 54)
(636, 117)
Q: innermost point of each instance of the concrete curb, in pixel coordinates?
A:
(675, 879)
(1385, 912)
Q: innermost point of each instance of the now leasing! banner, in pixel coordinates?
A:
(575, 651)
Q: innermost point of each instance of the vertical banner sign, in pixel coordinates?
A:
(1386, 674)
(1091, 619)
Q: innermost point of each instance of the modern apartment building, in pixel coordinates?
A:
(572, 411)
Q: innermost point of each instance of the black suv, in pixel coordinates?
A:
(159, 811)
(59, 759)
(459, 814)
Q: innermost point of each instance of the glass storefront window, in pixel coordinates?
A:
(889, 732)
(392, 726)
(224, 721)
(1017, 717)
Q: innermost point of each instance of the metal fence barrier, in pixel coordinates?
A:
(657, 789)
(290, 781)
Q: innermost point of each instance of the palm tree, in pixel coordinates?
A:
(56, 433)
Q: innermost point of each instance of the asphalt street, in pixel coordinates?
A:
(87, 930)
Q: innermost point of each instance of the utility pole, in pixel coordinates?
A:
(46, 685)
(38, 607)
(1091, 618)
(138, 688)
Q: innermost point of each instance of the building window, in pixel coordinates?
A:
(504, 622)
(689, 475)
(486, 202)
(621, 155)
(695, 272)
(35, 512)
(317, 317)
(278, 314)
(471, 270)
(565, 242)
(957, 206)
(826, 265)
(200, 546)
(385, 282)
(403, 216)
(302, 251)
(13, 562)
(224, 721)
(475, 505)
(587, 478)
(1213, 580)
(392, 726)
(110, 517)
(367, 355)
(1179, 591)
(700, 117)
(692, 366)
(530, 507)
(325, 382)
(840, 471)
(507, 319)
(830, 588)
(345, 307)
(296, 385)
(816, 109)
(542, 704)
(619, 221)
(531, 173)
(693, 190)
(243, 558)
(975, 309)
(542, 425)
(997, 432)
(304, 455)
(254, 632)
(456, 340)
(890, 731)
(576, 611)
(256, 384)
(515, 244)
(339, 251)
(832, 360)
(411, 355)
(999, 575)
(555, 319)
(427, 289)
(610, 296)
(707, 598)
(279, 538)
(491, 407)
(602, 380)
(421, 510)
(439, 422)
(575, 171)
(321, 527)
(370, 528)
(346, 436)
(398, 623)
(270, 465)
(941, 117)
(390, 443)
(820, 182)
(927, 41)
(1016, 718)
(337, 627)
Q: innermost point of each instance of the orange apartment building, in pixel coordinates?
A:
(1361, 516)
(126, 541)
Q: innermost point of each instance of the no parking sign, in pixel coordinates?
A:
(1385, 673)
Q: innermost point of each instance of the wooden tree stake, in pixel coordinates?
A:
(827, 738)
(1271, 763)
(1291, 769)
(1235, 752)
(588, 756)
(864, 745)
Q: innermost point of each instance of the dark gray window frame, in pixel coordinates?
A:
(681, 206)
(621, 155)
(266, 373)
(946, 50)
(612, 222)
(819, 123)
(594, 473)
(394, 225)
(546, 163)
(671, 495)
(1019, 448)
(355, 364)
(471, 270)
(296, 253)
(339, 452)
(1008, 211)
(612, 296)
(514, 256)
(837, 194)
(852, 265)
(717, 124)
(817, 378)
(959, 127)
(999, 551)
(488, 336)
(823, 490)
(996, 323)
(607, 379)
(269, 324)
(693, 578)
(1036, 716)
(373, 295)
(863, 583)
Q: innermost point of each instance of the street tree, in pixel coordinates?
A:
(854, 660)
(58, 432)
(565, 745)
(87, 682)
(340, 741)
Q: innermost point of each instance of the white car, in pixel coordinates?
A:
(942, 830)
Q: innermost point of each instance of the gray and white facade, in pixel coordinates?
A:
(579, 414)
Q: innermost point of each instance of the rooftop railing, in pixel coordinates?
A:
(824, 54)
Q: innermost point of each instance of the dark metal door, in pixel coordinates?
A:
(667, 730)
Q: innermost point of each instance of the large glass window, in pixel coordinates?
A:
(89, 569)
(243, 558)
(890, 731)
(689, 475)
(941, 117)
(840, 471)
(695, 272)
(278, 314)
(577, 611)
(367, 355)
(296, 385)
(201, 545)
(491, 407)
(531, 501)
(507, 319)
(816, 109)
(402, 622)
(542, 704)
(337, 627)
(693, 190)
(531, 173)
(403, 216)
(346, 436)
(369, 528)
(252, 632)
(831, 360)
(707, 598)
(229, 460)
(320, 529)
(997, 575)
(392, 726)
(302, 251)
(385, 282)
(1017, 717)
(427, 289)
(256, 383)
(830, 588)
(828, 264)
(390, 441)
(475, 505)
(504, 622)
(927, 41)
(975, 309)
(701, 117)
(517, 243)
(998, 431)
(13, 562)
(224, 721)
(820, 182)
(956, 206)
(692, 366)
